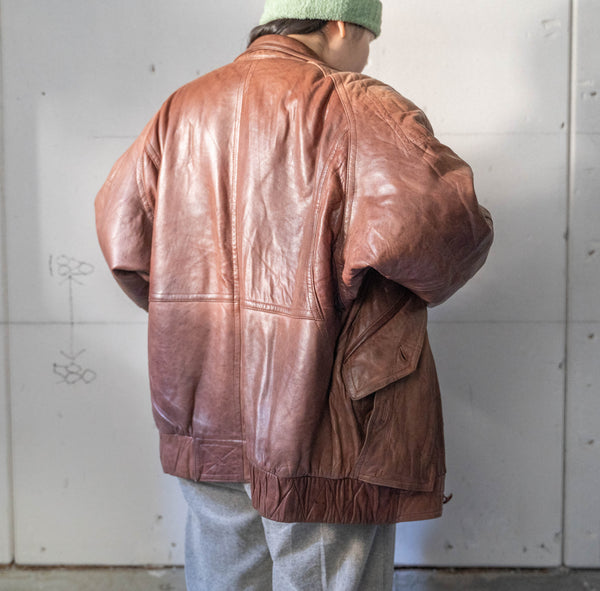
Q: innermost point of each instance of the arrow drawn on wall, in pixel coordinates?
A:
(71, 272)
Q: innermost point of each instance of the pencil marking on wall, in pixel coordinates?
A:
(71, 271)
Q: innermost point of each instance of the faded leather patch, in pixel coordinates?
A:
(385, 338)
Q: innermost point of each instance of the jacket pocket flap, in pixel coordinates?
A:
(387, 349)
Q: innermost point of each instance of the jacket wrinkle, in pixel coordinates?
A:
(286, 226)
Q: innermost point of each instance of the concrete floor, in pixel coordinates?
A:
(131, 579)
(497, 580)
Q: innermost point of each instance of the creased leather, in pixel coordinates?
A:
(286, 225)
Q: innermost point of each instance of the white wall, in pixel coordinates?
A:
(80, 81)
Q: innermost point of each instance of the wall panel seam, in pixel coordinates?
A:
(569, 202)
(8, 437)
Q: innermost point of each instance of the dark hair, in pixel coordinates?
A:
(287, 26)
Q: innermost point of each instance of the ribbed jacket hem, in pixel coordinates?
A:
(313, 499)
(340, 500)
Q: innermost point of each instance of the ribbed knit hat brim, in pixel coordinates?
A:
(366, 13)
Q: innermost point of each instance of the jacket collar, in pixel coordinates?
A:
(270, 44)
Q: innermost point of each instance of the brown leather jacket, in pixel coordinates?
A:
(286, 225)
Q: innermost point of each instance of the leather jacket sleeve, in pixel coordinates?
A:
(415, 217)
(124, 217)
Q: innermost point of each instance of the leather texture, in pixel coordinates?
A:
(286, 225)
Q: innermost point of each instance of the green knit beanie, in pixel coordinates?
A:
(366, 13)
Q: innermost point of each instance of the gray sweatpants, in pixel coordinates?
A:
(230, 547)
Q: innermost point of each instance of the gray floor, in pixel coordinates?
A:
(128, 579)
(497, 580)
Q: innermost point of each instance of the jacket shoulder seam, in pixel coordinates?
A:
(351, 160)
